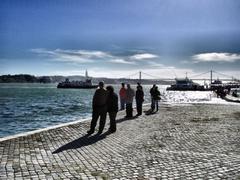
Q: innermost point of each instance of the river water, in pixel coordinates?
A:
(26, 107)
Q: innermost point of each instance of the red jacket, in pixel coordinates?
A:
(122, 93)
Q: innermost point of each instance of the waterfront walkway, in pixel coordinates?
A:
(179, 142)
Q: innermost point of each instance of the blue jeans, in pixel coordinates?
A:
(154, 104)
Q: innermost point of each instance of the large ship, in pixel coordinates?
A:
(185, 84)
(87, 84)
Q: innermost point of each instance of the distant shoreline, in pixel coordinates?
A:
(26, 78)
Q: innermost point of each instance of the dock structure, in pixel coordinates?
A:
(178, 142)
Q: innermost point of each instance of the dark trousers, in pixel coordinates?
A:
(156, 105)
(152, 104)
(98, 112)
(122, 103)
(129, 110)
(112, 117)
(139, 107)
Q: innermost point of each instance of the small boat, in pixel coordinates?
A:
(87, 84)
(233, 96)
(217, 84)
(185, 84)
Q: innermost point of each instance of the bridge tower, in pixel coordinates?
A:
(211, 76)
(140, 77)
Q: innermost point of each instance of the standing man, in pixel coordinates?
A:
(122, 94)
(99, 105)
(156, 97)
(112, 108)
(129, 101)
(152, 94)
(139, 100)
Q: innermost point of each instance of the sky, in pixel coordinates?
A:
(109, 38)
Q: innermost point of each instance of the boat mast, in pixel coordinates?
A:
(86, 74)
(140, 77)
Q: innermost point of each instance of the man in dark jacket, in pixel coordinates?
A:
(112, 108)
(156, 97)
(139, 100)
(152, 100)
(99, 105)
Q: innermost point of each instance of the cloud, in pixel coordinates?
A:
(77, 56)
(132, 59)
(143, 56)
(42, 51)
(121, 61)
(156, 65)
(216, 57)
(84, 53)
(90, 56)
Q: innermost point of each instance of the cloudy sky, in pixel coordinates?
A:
(164, 38)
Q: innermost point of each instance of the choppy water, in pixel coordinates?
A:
(26, 107)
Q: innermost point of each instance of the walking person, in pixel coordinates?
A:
(122, 94)
(129, 101)
(112, 108)
(139, 100)
(152, 100)
(99, 106)
(156, 97)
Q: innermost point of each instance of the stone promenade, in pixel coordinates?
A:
(178, 142)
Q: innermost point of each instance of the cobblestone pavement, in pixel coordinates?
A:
(178, 142)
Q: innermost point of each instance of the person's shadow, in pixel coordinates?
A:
(150, 112)
(126, 119)
(87, 139)
(82, 141)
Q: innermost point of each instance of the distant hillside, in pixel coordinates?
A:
(20, 78)
(26, 78)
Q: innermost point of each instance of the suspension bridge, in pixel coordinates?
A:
(212, 75)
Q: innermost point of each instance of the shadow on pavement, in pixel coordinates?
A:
(126, 119)
(149, 112)
(87, 139)
(81, 142)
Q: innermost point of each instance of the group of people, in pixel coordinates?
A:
(155, 97)
(105, 101)
(126, 99)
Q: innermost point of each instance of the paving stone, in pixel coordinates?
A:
(178, 142)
